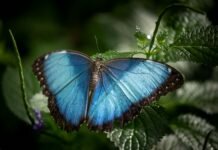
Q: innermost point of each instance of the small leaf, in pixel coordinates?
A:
(143, 40)
(143, 132)
(12, 92)
(113, 54)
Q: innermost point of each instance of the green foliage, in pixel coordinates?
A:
(143, 132)
(190, 133)
(170, 142)
(201, 95)
(192, 39)
(198, 44)
(113, 54)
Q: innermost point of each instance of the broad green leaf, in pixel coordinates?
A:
(200, 4)
(170, 142)
(198, 44)
(190, 134)
(143, 132)
(184, 20)
(201, 95)
(192, 131)
(171, 29)
(12, 91)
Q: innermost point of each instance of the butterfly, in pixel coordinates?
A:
(99, 92)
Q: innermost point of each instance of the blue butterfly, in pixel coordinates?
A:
(97, 92)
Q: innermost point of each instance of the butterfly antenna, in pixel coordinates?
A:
(96, 41)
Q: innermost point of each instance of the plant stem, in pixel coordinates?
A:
(22, 82)
(206, 139)
(161, 16)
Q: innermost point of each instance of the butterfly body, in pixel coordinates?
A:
(99, 92)
(97, 67)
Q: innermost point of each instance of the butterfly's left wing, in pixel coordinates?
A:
(65, 77)
(127, 84)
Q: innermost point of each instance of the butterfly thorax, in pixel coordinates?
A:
(96, 73)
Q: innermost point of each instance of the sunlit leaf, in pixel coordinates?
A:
(184, 20)
(192, 131)
(200, 4)
(198, 44)
(190, 134)
(201, 95)
(170, 142)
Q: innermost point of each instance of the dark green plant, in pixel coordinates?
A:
(178, 121)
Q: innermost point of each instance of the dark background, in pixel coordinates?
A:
(40, 26)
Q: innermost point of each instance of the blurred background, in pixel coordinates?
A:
(40, 26)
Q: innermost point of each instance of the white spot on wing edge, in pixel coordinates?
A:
(169, 70)
(150, 61)
(62, 52)
(46, 56)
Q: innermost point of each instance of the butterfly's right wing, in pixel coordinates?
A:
(65, 78)
(125, 85)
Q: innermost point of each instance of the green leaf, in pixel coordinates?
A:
(56, 138)
(184, 20)
(201, 95)
(200, 4)
(198, 44)
(190, 134)
(113, 54)
(143, 40)
(192, 131)
(143, 132)
(170, 142)
(12, 92)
